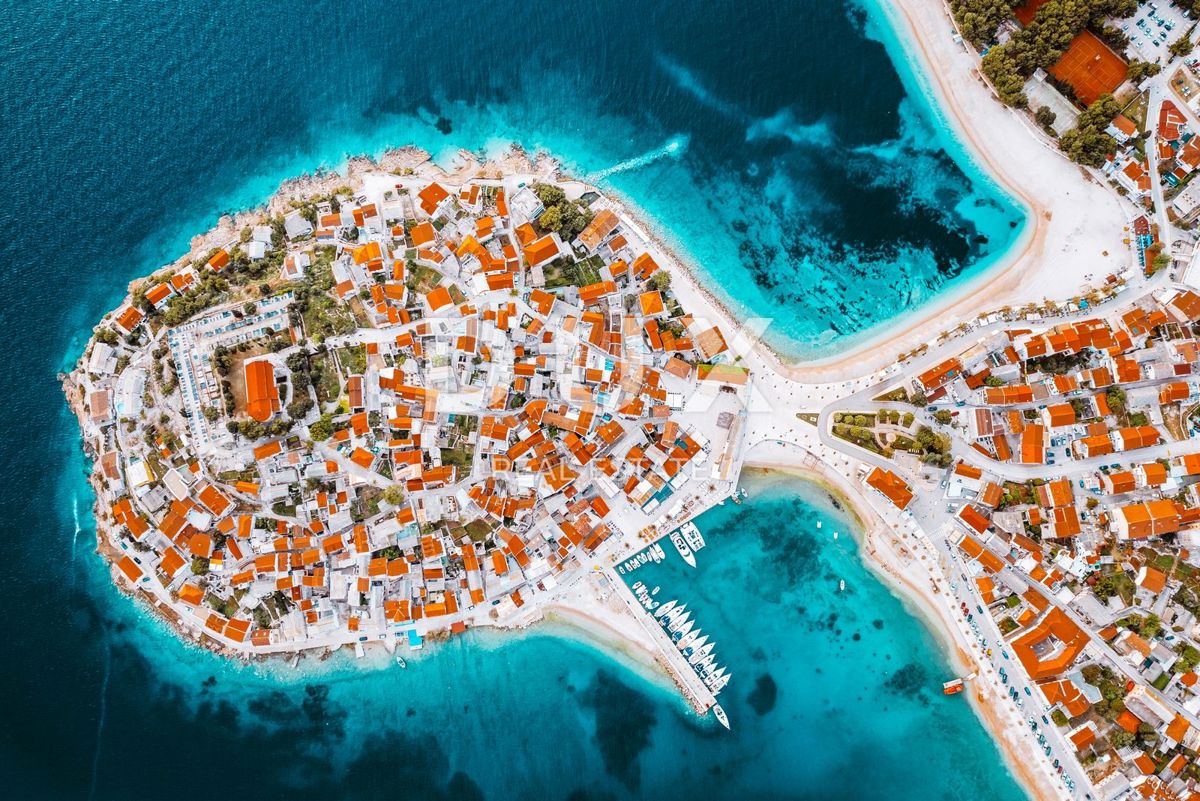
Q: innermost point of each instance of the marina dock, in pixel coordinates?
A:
(698, 695)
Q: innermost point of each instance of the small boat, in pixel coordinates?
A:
(704, 665)
(678, 623)
(701, 651)
(400, 661)
(673, 615)
(685, 552)
(683, 631)
(688, 638)
(697, 643)
(692, 536)
(835, 535)
(818, 524)
(952, 687)
(621, 569)
(667, 607)
(720, 715)
(659, 552)
(841, 585)
(637, 585)
(718, 685)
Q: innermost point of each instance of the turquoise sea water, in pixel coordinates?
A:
(809, 180)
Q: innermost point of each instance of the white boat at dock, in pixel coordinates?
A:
(692, 536)
(685, 553)
(701, 652)
(720, 715)
(666, 607)
(659, 553)
(694, 644)
(687, 639)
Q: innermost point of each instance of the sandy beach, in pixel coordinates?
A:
(1075, 228)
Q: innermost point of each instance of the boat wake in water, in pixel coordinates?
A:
(673, 148)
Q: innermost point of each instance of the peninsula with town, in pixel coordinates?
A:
(402, 401)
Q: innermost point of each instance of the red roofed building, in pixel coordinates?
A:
(262, 396)
(894, 488)
(1050, 647)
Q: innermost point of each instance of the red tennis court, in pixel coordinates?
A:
(1090, 68)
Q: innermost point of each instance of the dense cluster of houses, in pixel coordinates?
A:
(1075, 498)
(505, 402)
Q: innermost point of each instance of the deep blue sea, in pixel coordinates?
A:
(787, 148)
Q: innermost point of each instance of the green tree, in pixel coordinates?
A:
(1044, 116)
(322, 429)
(1116, 400)
(1087, 143)
(1140, 70)
(1183, 45)
(1004, 73)
(301, 406)
(979, 19)
(551, 219)
(1119, 738)
(661, 280)
(394, 495)
(252, 429)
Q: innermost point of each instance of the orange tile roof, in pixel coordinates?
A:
(892, 486)
(540, 251)
(1050, 647)
(262, 396)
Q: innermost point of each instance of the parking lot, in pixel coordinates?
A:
(1154, 27)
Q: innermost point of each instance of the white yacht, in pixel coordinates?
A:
(692, 536)
(700, 652)
(685, 553)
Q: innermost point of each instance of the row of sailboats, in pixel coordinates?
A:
(695, 646)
